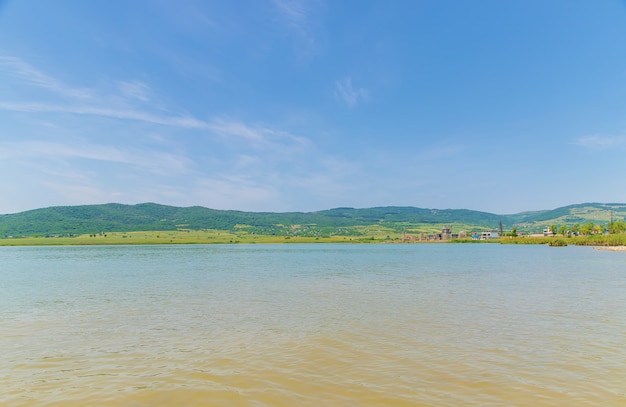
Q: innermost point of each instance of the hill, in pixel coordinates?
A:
(88, 219)
(601, 213)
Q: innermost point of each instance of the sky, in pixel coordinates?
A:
(500, 106)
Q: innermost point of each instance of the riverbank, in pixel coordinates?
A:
(611, 248)
(176, 237)
(605, 242)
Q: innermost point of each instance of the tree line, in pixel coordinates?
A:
(588, 228)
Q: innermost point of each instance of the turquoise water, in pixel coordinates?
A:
(429, 324)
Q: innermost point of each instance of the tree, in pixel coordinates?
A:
(587, 228)
(563, 229)
(617, 227)
(598, 228)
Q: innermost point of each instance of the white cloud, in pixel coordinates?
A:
(20, 69)
(257, 137)
(135, 90)
(299, 18)
(348, 94)
(229, 130)
(293, 11)
(176, 121)
(156, 162)
(600, 142)
(79, 162)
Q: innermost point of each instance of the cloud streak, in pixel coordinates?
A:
(297, 16)
(21, 70)
(600, 142)
(293, 11)
(125, 114)
(256, 137)
(227, 130)
(74, 159)
(157, 162)
(345, 92)
(135, 90)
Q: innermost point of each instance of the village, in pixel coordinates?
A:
(446, 234)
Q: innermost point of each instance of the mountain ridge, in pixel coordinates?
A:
(98, 218)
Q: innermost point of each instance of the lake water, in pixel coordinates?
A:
(312, 325)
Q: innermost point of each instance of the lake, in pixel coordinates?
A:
(311, 325)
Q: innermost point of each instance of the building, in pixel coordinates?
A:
(489, 235)
(446, 233)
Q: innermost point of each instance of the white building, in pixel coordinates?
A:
(489, 235)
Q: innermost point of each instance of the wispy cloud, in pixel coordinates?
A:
(80, 165)
(177, 121)
(130, 90)
(256, 137)
(25, 72)
(298, 16)
(345, 92)
(135, 90)
(600, 142)
(227, 130)
(153, 161)
(294, 12)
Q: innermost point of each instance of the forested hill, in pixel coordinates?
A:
(149, 216)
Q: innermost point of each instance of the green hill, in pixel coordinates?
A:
(88, 219)
(572, 214)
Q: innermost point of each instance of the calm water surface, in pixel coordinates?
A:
(311, 325)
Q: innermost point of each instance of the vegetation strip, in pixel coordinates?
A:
(585, 224)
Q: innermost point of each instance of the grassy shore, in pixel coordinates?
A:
(226, 237)
(616, 240)
(179, 237)
(593, 240)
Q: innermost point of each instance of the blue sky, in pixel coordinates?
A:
(297, 105)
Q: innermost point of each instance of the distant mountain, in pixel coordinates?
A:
(572, 214)
(407, 214)
(86, 219)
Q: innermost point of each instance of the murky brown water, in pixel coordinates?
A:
(304, 325)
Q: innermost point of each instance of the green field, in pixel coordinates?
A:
(391, 233)
(176, 237)
(149, 223)
(361, 234)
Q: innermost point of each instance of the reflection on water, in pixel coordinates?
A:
(309, 325)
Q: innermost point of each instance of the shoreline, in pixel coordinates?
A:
(177, 240)
(611, 248)
(615, 242)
